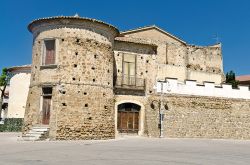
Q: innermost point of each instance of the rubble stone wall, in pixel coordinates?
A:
(83, 71)
(200, 117)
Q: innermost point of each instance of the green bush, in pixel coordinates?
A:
(12, 125)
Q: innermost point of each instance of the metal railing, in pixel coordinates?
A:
(130, 82)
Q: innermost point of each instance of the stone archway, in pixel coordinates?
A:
(129, 117)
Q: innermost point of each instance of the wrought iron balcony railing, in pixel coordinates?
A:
(130, 82)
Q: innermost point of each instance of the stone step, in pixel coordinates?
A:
(35, 135)
(30, 138)
(42, 127)
(36, 132)
(39, 129)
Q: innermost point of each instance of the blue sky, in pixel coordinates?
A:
(194, 21)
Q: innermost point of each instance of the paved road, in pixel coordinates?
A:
(130, 150)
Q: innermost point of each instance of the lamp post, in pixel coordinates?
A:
(162, 106)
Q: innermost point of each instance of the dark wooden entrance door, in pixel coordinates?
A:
(46, 109)
(128, 118)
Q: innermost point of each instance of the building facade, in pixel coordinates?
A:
(90, 81)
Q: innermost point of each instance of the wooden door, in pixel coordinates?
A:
(128, 122)
(46, 109)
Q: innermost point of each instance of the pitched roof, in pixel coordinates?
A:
(22, 67)
(152, 27)
(243, 78)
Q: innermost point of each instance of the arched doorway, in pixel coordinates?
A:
(128, 118)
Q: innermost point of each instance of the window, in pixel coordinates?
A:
(129, 69)
(49, 54)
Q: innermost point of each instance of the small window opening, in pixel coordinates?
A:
(49, 54)
(86, 105)
(76, 53)
(73, 78)
(64, 104)
(75, 65)
(85, 93)
(93, 80)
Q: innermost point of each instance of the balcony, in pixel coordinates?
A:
(130, 85)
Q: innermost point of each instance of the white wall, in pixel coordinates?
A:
(18, 93)
(208, 89)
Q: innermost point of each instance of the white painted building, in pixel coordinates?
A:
(190, 87)
(18, 91)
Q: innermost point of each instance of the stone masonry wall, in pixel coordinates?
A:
(82, 80)
(201, 117)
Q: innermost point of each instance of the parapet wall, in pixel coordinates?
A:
(190, 87)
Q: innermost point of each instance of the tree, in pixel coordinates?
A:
(4, 79)
(230, 78)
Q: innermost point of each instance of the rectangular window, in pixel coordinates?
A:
(129, 69)
(49, 54)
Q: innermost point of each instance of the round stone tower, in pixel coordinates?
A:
(71, 89)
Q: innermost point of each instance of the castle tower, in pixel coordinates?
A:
(71, 88)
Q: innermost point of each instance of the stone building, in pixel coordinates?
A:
(90, 81)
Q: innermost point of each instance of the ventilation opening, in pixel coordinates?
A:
(85, 93)
(75, 65)
(73, 78)
(95, 56)
(93, 80)
(93, 68)
(76, 53)
(62, 40)
(64, 104)
(86, 105)
(77, 40)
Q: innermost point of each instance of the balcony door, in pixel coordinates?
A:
(129, 69)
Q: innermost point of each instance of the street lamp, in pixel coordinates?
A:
(162, 106)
